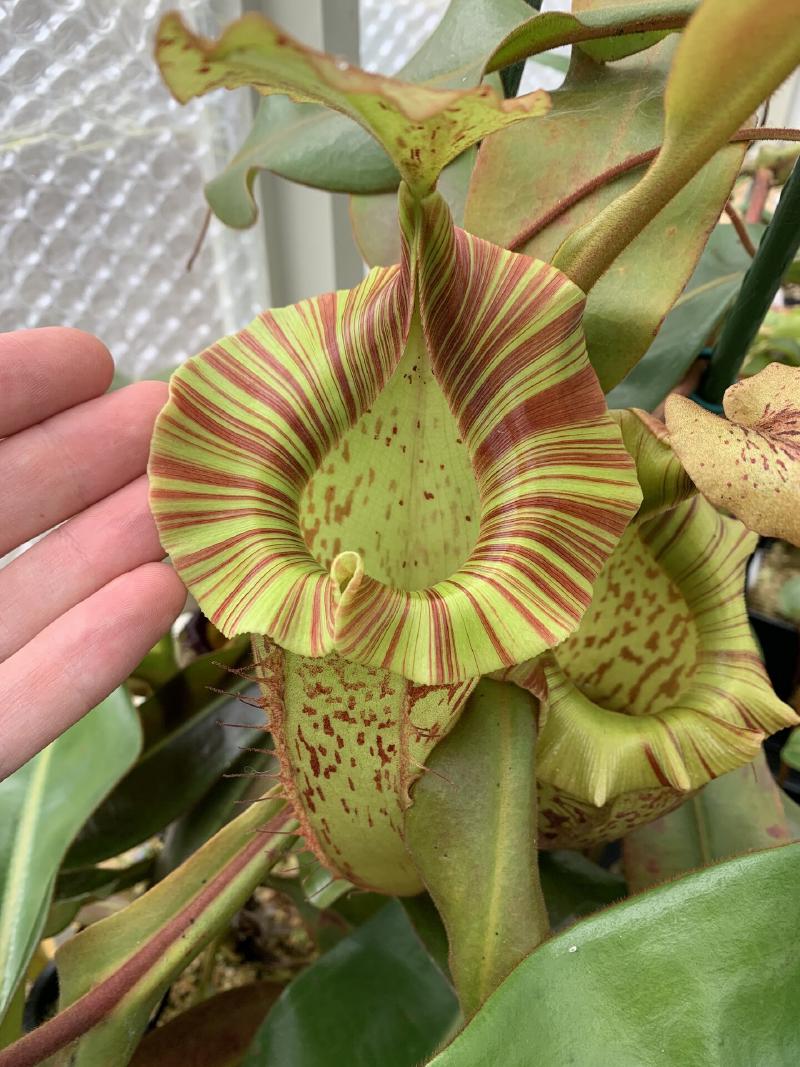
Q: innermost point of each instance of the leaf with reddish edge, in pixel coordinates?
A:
(601, 116)
(729, 59)
(702, 970)
(739, 812)
(42, 806)
(690, 324)
(422, 129)
(351, 740)
(376, 999)
(114, 973)
(661, 688)
(310, 144)
(749, 464)
(604, 33)
(471, 830)
(271, 440)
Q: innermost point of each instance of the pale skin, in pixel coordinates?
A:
(81, 607)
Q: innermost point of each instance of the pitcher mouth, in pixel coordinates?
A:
(251, 420)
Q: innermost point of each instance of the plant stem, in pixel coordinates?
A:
(589, 251)
(741, 230)
(472, 831)
(512, 76)
(531, 229)
(779, 245)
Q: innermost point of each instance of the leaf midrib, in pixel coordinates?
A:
(486, 969)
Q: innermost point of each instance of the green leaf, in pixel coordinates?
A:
(114, 973)
(601, 117)
(191, 690)
(177, 770)
(703, 970)
(428, 924)
(472, 831)
(603, 33)
(729, 59)
(217, 806)
(77, 887)
(421, 128)
(42, 806)
(790, 753)
(736, 813)
(573, 886)
(309, 144)
(690, 324)
(214, 1033)
(158, 665)
(376, 998)
(748, 462)
(789, 598)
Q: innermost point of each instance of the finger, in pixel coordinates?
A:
(56, 469)
(78, 660)
(47, 370)
(111, 537)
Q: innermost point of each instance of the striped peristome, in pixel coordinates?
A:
(251, 419)
(661, 688)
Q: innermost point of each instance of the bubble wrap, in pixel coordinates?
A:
(101, 184)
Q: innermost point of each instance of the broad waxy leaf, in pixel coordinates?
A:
(217, 806)
(214, 1033)
(694, 317)
(375, 998)
(601, 116)
(740, 812)
(574, 886)
(789, 599)
(749, 464)
(114, 973)
(790, 753)
(289, 436)
(471, 830)
(730, 57)
(171, 776)
(351, 740)
(82, 885)
(661, 687)
(310, 144)
(42, 806)
(422, 129)
(701, 970)
(604, 33)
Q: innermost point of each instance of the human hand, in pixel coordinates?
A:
(81, 607)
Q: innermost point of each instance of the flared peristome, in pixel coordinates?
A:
(255, 419)
(660, 689)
